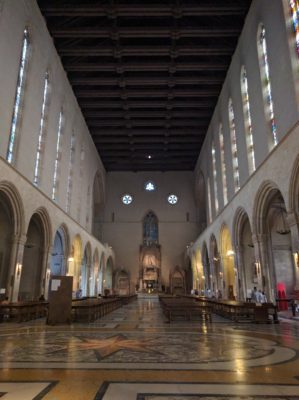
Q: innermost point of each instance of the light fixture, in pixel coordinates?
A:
(70, 259)
(149, 156)
(296, 258)
(19, 269)
(230, 253)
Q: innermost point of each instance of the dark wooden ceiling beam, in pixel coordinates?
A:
(144, 32)
(121, 10)
(148, 114)
(149, 122)
(147, 51)
(147, 93)
(148, 81)
(176, 131)
(219, 65)
(171, 140)
(149, 104)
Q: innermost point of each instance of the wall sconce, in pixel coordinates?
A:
(19, 269)
(203, 277)
(48, 274)
(230, 253)
(216, 258)
(70, 259)
(221, 274)
(257, 265)
(296, 258)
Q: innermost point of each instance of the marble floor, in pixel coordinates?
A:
(134, 354)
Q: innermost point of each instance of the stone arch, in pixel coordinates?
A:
(34, 277)
(293, 200)
(228, 263)
(200, 198)
(273, 234)
(11, 231)
(177, 281)
(60, 251)
(86, 271)
(245, 253)
(206, 269)
(98, 202)
(108, 281)
(264, 196)
(74, 262)
(121, 281)
(96, 270)
(215, 267)
(14, 198)
(198, 272)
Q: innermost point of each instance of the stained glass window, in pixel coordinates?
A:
(172, 199)
(71, 171)
(150, 229)
(18, 98)
(42, 133)
(266, 83)
(58, 157)
(81, 170)
(149, 186)
(294, 6)
(247, 120)
(223, 167)
(127, 199)
(233, 138)
(215, 177)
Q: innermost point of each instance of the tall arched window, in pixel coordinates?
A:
(223, 167)
(233, 139)
(10, 156)
(42, 133)
(214, 166)
(150, 229)
(81, 169)
(58, 157)
(247, 120)
(294, 7)
(70, 175)
(209, 200)
(266, 83)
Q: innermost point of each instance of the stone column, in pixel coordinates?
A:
(46, 272)
(239, 260)
(16, 264)
(265, 278)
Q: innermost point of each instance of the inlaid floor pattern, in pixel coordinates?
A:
(134, 354)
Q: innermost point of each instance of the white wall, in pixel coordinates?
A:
(125, 233)
(15, 15)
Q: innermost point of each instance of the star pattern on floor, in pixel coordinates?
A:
(106, 347)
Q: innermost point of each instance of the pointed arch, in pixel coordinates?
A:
(150, 228)
(266, 192)
(293, 200)
(12, 194)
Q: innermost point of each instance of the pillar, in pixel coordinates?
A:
(265, 277)
(16, 263)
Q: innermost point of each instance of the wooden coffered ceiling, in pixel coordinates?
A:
(146, 73)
